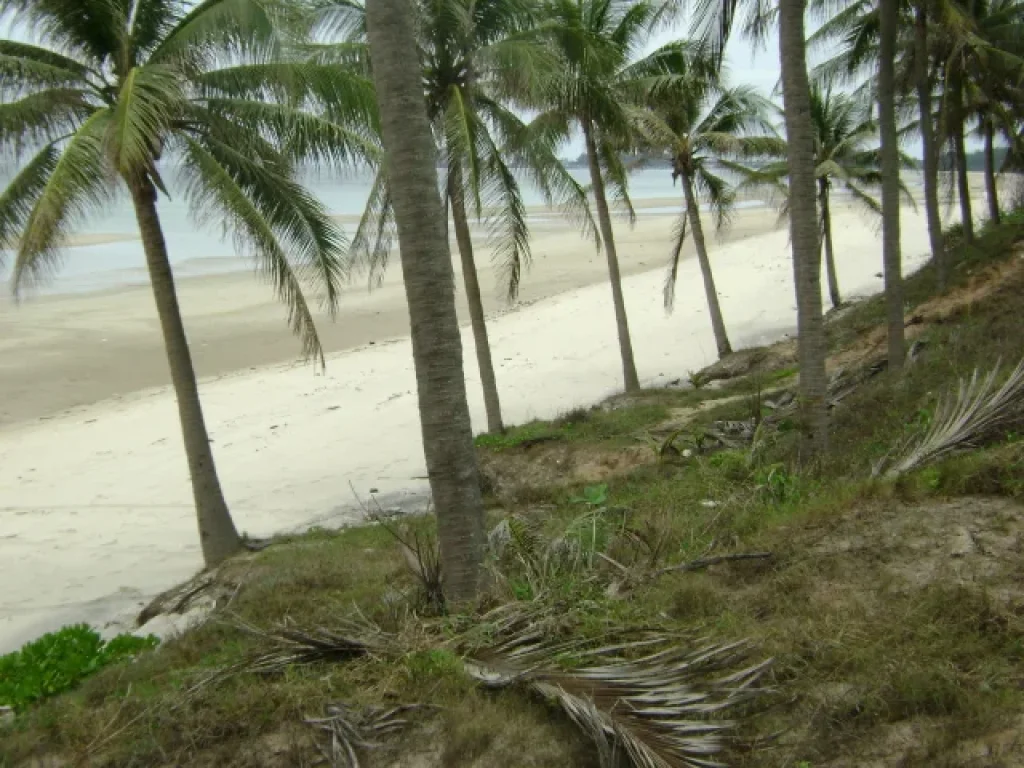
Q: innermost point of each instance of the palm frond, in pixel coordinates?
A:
(616, 176)
(719, 195)
(350, 729)
(462, 134)
(375, 233)
(864, 199)
(678, 240)
(78, 181)
(981, 410)
(26, 68)
(260, 208)
(20, 195)
(656, 700)
(534, 153)
(303, 136)
(91, 30)
(339, 20)
(214, 28)
(507, 224)
(41, 118)
(148, 102)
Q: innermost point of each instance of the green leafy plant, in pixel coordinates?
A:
(775, 484)
(593, 496)
(59, 661)
(698, 379)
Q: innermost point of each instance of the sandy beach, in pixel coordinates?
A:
(95, 504)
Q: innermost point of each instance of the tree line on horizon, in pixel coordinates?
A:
(244, 93)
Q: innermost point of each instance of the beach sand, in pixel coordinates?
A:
(95, 505)
(59, 352)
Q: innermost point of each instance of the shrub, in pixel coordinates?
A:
(58, 661)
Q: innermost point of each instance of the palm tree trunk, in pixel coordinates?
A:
(630, 379)
(803, 226)
(476, 308)
(717, 323)
(217, 534)
(430, 292)
(826, 236)
(889, 20)
(931, 156)
(990, 174)
(962, 180)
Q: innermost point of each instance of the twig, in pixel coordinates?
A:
(706, 562)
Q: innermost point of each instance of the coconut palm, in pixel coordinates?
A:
(702, 128)
(978, 56)
(595, 81)
(713, 22)
(971, 50)
(118, 92)
(430, 290)
(892, 259)
(478, 57)
(846, 157)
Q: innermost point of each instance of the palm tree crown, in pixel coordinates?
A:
(122, 85)
(702, 128)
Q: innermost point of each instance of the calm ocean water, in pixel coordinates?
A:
(203, 249)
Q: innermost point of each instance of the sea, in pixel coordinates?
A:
(197, 249)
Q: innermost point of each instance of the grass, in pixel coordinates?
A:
(876, 630)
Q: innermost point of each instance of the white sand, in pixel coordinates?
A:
(96, 505)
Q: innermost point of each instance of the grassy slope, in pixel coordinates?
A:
(886, 648)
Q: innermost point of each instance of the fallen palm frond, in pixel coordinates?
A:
(351, 638)
(350, 730)
(656, 701)
(521, 549)
(979, 411)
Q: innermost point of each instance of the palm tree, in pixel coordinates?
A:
(713, 22)
(429, 287)
(478, 55)
(979, 50)
(120, 91)
(924, 85)
(701, 127)
(856, 28)
(594, 82)
(845, 156)
(888, 31)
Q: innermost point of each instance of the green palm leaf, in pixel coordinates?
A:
(21, 194)
(91, 29)
(375, 233)
(507, 224)
(255, 209)
(303, 136)
(216, 27)
(41, 118)
(150, 99)
(77, 183)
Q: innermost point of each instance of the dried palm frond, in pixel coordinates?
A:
(652, 700)
(350, 730)
(980, 411)
(352, 637)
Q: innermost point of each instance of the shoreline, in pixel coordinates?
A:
(73, 349)
(98, 513)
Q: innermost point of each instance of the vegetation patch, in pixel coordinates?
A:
(59, 661)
